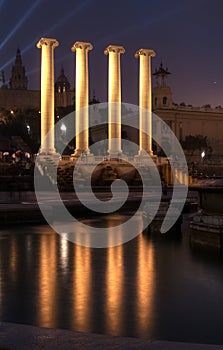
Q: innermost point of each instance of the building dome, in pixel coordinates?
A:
(62, 84)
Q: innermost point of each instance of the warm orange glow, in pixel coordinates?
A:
(13, 259)
(114, 99)
(145, 286)
(114, 287)
(82, 95)
(47, 281)
(47, 92)
(145, 100)
(82, 286)
(64, 253)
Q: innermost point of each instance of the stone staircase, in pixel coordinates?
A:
(147, 174)
(65, 175)
(47, 166)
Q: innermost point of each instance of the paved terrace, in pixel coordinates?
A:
(22, 337)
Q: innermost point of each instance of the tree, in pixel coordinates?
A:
(195, 143)
(24, 123)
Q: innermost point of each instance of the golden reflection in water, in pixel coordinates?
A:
(12, 267)
(47, 281)
(1, 291)
(114, 286)
(64, 253)
(13, 263)
(144, 286)
(82, 286)
(1, 282)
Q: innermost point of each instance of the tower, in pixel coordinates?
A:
(162, 94)
(18, 80)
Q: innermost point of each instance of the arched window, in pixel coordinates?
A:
(165, 101)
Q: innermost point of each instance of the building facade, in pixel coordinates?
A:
(18, 96)
(187, 120)
(184, 120)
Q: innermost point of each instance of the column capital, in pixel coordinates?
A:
(114, 48)
(47, 41)
(81, 45)
(145, 52)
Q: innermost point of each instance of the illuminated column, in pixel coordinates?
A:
(47, 94)
(114, 99)
(145, 100)
(82, 98)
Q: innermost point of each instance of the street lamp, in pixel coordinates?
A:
(202, 160)
(202, 155)
(63, 128)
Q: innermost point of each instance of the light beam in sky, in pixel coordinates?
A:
(1, 3)
(20, 23)
(76, 10)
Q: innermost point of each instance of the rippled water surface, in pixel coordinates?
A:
(150, 287)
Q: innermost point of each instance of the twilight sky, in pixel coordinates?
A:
(186, 35)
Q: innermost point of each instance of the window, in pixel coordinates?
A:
(165, 100)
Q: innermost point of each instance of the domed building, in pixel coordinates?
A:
(64, 95)
(18, 96)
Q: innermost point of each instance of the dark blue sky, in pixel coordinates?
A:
(186, 35)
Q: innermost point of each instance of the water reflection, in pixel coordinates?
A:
(64, 254)
(82, 288)
(114, 286)
(145, 288)
(47, 288)
(13, 259)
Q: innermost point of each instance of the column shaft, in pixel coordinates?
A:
(82, 97)
(114, 99)
(145, 100)
(47, 94)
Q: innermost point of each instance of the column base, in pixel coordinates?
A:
(83, 155)
(142, 157)
(80, 152)
(115, 154)
(49, 155)
(143, 153)
(47, 152)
